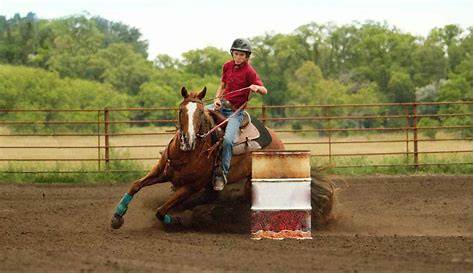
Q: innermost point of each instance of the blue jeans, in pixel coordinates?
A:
(231, 131)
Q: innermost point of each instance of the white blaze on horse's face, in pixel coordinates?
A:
(191, 131)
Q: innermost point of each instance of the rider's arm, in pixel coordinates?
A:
(257, 84)
(220, 90)
(219, 94)
(260, 89)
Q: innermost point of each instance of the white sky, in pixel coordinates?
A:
(173, 27)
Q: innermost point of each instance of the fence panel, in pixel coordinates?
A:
(348, 128)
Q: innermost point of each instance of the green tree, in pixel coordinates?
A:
(400, 88)
(120, 66)
(164, 61)
(429, 63)
(32, 88)
(206, 61)
(75, 40)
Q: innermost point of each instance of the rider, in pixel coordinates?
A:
(237, 75)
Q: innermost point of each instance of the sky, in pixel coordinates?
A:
(173, 27)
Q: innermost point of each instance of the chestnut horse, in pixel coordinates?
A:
(188, 161)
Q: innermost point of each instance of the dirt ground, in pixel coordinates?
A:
(382, 224)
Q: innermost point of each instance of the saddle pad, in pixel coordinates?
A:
(250, 132)
(265, 138)
(254, 131)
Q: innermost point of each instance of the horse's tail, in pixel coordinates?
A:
(323, 198)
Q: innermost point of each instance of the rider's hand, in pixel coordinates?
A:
(217, 103)
(254, 88)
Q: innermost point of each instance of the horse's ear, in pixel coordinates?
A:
(184, 92)
(202, 93)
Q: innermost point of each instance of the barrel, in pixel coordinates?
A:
(281, 195)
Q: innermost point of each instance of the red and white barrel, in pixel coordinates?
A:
(281, 195)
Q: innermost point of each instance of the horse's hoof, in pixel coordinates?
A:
(117, 221)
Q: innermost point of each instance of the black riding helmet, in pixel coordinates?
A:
(241, 44)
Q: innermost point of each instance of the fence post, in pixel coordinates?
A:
(407, 112)
(415, 137)
(264, 116)
(328, 132)
(106, 137)
(98, 140)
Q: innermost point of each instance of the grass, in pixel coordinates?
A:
(399, 165)
(81, 175)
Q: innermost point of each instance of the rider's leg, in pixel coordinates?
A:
(231, 131)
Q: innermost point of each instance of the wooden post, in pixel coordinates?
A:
(98, 140)
(327, 114)
(407, 112)
(106, 137)
(264, 116)
(415, 137)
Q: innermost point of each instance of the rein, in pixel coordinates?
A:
(230, 92)
(221, 123)
(227, 119)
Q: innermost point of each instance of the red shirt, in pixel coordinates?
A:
(237, 77)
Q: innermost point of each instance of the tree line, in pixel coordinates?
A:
(84, 61)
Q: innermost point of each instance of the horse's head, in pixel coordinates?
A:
(191, 118)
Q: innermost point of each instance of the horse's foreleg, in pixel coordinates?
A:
(179, 195)
(156, 175)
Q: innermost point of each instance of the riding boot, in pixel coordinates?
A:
(220, 181)
(219, 178)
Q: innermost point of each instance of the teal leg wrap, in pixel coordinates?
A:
(167, 219)
(123, 205)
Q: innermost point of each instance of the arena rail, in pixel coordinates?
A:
(268, 115)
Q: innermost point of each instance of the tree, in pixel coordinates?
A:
(75, 40)
(164, 61)
(400, 88)
(206, 61)
(429, 63)
(120, 66)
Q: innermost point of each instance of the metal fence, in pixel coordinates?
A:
(321, 120)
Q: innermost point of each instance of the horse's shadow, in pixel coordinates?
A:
(229, 212)
(228, 216)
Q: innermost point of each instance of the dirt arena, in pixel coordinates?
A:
(382, 224)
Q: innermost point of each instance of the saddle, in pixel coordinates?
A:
(253, 135)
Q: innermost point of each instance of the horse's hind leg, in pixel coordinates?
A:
(208, 195)
(178, 196)
(155, 176)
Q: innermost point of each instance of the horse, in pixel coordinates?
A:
(188, 163)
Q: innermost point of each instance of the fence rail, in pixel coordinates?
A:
(410, 113)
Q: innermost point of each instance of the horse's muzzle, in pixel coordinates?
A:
(187, 143)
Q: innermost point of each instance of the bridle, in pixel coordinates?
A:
(198, 133)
